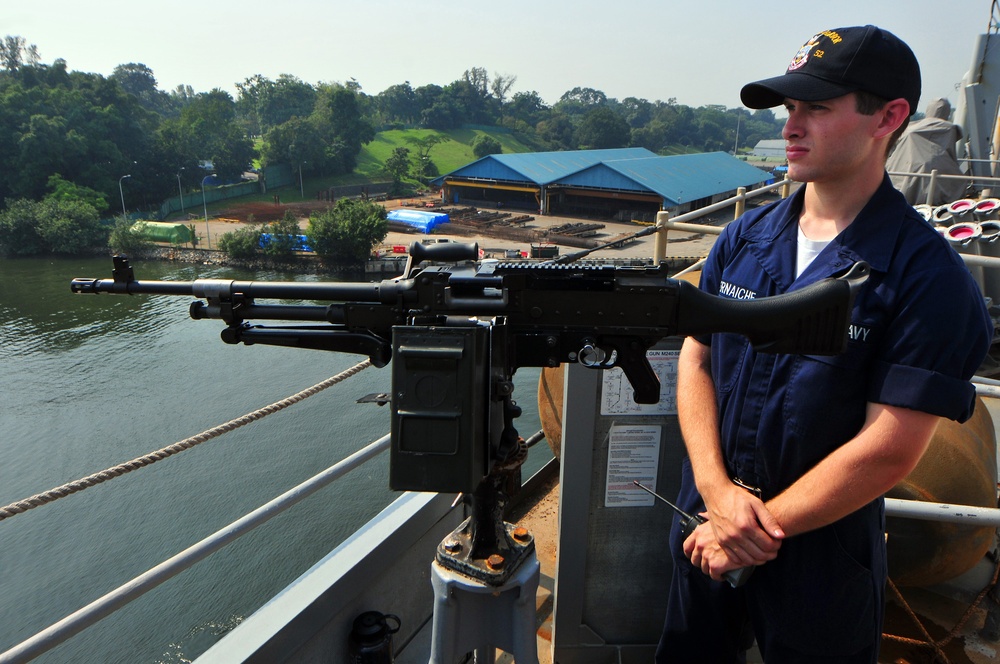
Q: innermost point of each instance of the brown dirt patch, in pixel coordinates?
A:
(266, 212)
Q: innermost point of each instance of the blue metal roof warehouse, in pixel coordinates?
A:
(626, 183)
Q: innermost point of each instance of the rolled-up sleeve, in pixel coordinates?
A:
(934, 345)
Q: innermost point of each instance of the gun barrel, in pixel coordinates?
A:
(279, 290)
(86, 285)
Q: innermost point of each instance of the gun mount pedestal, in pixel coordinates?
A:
(485, 547)
(470, 615)
(485, 578)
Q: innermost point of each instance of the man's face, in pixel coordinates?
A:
(827, 141)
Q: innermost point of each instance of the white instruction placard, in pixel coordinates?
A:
(616, 391)
(633, 454)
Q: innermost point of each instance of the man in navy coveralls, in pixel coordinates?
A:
(789, 455)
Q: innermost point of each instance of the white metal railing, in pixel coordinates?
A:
(934, 176)
(966, 515)
(104, 606)
(680, 223)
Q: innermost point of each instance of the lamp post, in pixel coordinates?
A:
(180, 192)
(208, 238)
(122, 192)
(302, 193)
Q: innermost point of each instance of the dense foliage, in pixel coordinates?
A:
(120, 141)
(486, 145)
(242, 243)
(284, 236)
(128, 238)
(52, 226)
(347, 232)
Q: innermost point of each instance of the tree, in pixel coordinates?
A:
(127, 238)
(443, 114)
(712, 126)
(472, 95)
(500, 87)
(29, 228)
(19, 234)
(284, 236)
(468, 100)
(242, 243)
(637, 112)
(398, 166)
(602, 128)
(527, 107)
(398, 103)
(13, 52)
(293, 142)
(265, 104)
(557, 131)
(182, 95)
(65, 191)
(580, 100)
(339, 119)
(484, 144)
(653, 136)
(423, 166)
(211, 123)
(70, 227)
(137, 80)
(234, 152)
(347, 232)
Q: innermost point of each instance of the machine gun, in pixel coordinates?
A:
(457, 330)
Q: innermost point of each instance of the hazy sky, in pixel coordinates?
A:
(698, 51)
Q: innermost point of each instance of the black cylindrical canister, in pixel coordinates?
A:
(371, 638)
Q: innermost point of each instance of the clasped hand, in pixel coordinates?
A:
(740, 532)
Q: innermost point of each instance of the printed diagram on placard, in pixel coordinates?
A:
(616, 391)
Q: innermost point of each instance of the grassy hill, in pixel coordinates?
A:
(453, 153)
(448, 155)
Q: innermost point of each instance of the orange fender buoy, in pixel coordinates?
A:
(959, 468)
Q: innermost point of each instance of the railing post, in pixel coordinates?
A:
(741, 202)
(660, 238)
(932, 186)
(786, 188)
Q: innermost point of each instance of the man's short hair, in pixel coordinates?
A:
(867, 103)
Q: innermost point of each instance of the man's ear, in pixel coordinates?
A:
(892, 116)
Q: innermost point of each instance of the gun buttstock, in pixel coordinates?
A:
(811, 321)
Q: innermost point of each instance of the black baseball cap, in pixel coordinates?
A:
(836, 62)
